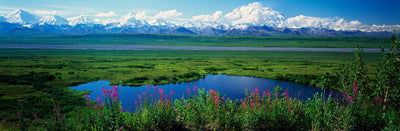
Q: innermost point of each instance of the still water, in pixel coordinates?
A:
(230, 86)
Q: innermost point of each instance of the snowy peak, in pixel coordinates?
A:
(22, 17)
(53, 20)
(130, 20)
(79, 20)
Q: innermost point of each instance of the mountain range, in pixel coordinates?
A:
(260, 21)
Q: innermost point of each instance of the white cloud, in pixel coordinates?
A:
(255, 14)
(109, 14)
(168, 14)
(45, 12)
(307, 21)
(217, 16)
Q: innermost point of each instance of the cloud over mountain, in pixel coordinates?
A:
(109, 14)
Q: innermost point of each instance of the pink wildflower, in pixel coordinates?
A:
(86, 95)
(172, 92)
(155, 88)
(256, 90)
(135, 102)
(378, 99)
(195, 88)
(58, 114)
(269, 94)
(129, 126)
(95, 107)
(104, 92)
(98, 99)
(252, 92)
(355, 89)
(17, 124)
(188, 90)
(331, 93)
(122, 109)
(109, 91)
(34, 115)
(344, 93)
(270, 106)
(19, 113)
(241, 100)
(121, 128)
(259, 104)
(4, 120)
(350, 99)
(264, 93)
(290, 110)
(115, 88)
(286, 94)
(140, 96)
(276, 94)
(98, 113)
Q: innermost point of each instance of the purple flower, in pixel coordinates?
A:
(344, 93)
(19, 113)
(34, 115)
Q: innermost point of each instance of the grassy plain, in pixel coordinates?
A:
(184, 40)
(72, 67)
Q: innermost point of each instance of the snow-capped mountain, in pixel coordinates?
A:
(79, 20)
(130, 20)
(22, 17)
(251, 20)
(53, 20)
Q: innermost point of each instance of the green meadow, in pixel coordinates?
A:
(30, 76)
(184, 40)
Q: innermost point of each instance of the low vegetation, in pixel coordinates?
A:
(369, 100)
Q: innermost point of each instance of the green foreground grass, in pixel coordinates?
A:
(184, 40)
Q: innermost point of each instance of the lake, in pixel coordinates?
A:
(232, 86)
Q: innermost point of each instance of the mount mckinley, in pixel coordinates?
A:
(249, 20)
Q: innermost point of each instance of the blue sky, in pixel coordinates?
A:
(366, 11)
